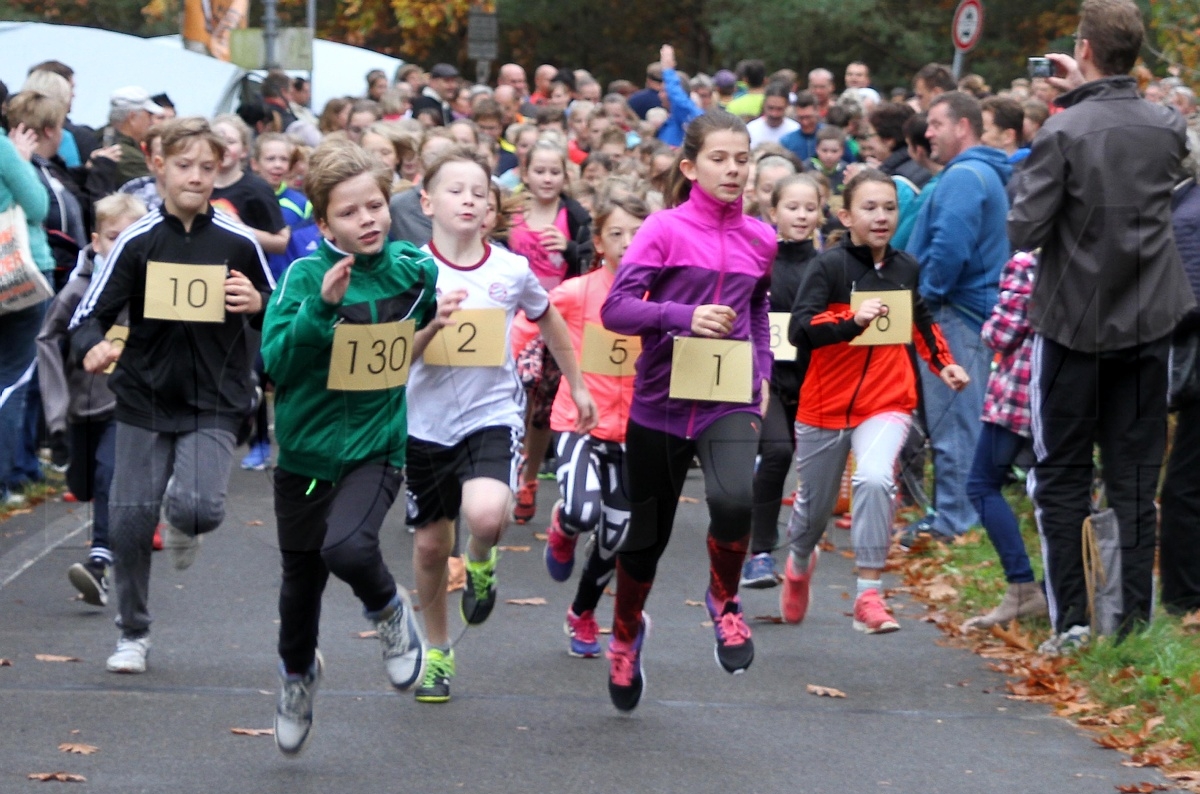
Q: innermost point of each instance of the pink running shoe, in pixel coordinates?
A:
(560, 548)
(797, 589)
(584, 632)
(871, 614)
(626, 679)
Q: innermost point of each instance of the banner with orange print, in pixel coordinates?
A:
(208, 23)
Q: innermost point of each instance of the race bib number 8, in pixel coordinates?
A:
(117, 335)
(476, 339)
(370, 357)
(893, 328)
(715, 370)
(185, 293)
(606, 353)
(781, 348)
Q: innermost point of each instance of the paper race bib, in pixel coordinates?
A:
(893, 328)
(476, 339)
(606, 353)
(372, 357)
(185, 293)
(715, 370)
(117, 335)
(781, 348)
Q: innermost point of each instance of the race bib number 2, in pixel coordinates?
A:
(714, 370)
(370, 357)
(185, 293)
(476, 338)
(606, 353)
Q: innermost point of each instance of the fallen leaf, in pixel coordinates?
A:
(847, 553)
(457, 580)
(1013, 637)
(539, 536)
(526, 602)
(1140, 788)
(706, 624)
(940, 591)
(514, 548)
(689, 500)
(1191, 620)
(50, 657)
(6, 663)
(767, 619)
(691, 602)
(604, 630)
(608, 591)
(78, 748)
(252, 731)
(61, 777)
(366, 635)
(826, 545)
(1071, 709)
(254, 523)
(824, 691)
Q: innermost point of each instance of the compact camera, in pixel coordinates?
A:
(1040, 67)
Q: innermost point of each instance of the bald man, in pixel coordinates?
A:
(513, 74)
(820, 85)
(541, 83)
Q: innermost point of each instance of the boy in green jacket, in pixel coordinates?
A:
(337, 342)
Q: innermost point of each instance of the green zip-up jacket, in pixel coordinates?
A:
(324, 434)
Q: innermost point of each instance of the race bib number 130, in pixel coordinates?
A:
(370, 357)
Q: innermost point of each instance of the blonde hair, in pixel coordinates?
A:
(402, 142)
(51, 84)
(334, 162)
(36, 110)
(115, 206)
(272, 137)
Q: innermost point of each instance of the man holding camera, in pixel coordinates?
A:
(1095, 196)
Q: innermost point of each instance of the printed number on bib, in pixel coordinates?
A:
(117, 335)
(476, 338)
(716, 370)
(893, 328)
(185, 293)
(781, 348)
(606, 353)
(370, 357)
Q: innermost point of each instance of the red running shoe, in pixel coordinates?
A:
(526, 507)
(871, 614)
(158, 546)
(560, 548)
(797, 589)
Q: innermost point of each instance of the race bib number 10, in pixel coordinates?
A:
(476, 339)
(606, 353)
(185, 293)
(370, 357)
(715, 370)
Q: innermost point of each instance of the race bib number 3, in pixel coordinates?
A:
(185, 293)
(370, 357)
(781, 348)
(117, 335)
(476, 339)
(893, 328)
(606, 353)
(715, 370)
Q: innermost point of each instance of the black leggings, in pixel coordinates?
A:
(325, 527)
(658, 463)
(776, 448)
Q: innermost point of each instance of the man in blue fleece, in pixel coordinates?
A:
(960, 240)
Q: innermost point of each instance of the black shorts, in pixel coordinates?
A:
(436, 473)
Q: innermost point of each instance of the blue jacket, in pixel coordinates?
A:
(801, 145)
(959, 236)
(683, 110)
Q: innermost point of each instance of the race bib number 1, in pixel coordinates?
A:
(781, 348)
(185, 293)
(477, 338)
(116, 335)
(715, 370)
(606, 353)
(370, 357)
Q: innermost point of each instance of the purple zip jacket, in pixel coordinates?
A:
(704, 251)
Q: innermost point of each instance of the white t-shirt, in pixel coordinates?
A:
(761, 133)
(447, 404)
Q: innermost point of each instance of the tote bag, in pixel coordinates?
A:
(21, 283)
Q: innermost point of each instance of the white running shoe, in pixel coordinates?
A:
(130, 656)
(183, 547)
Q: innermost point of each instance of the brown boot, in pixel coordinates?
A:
(1020, 600)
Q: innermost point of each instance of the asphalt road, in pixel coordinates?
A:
(525, 716)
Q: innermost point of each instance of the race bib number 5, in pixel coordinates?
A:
(715, 370)
(476, 338)
(606, 353)
(185, 293)
(370, 357)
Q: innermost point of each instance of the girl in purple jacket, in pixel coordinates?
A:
(693, 285)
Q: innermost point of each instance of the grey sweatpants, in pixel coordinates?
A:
(820, 460)
(186, 473)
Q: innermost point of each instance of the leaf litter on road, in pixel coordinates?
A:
(824, 691)
(57, 777)
(78, 748)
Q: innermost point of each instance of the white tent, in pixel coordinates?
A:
(338, 69)
(105, 61)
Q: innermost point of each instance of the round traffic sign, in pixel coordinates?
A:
(968, 25)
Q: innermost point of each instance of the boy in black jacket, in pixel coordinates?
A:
(191, 279)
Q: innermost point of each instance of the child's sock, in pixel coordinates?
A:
(868, 584)
(725, 566)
